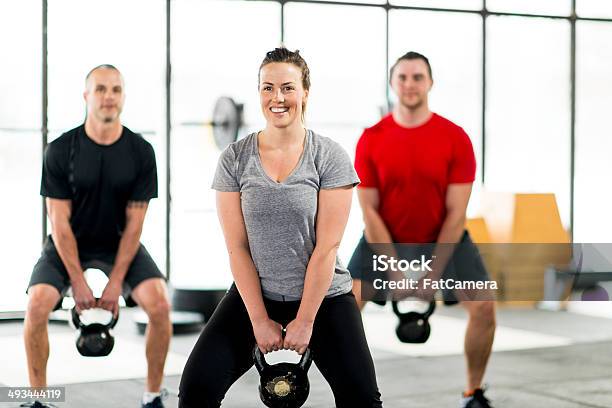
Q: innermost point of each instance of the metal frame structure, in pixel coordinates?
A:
(45, 103)
(168, 131)
(484, 13)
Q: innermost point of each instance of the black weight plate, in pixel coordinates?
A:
(227, 120)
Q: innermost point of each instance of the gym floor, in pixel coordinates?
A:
(541, 359)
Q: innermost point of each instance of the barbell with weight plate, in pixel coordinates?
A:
(227, 119)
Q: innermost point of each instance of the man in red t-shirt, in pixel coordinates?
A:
(416, 170)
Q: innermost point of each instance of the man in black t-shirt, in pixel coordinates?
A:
(98, 179)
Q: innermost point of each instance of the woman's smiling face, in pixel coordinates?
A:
(281, 94)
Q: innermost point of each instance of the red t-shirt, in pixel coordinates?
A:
(412, 168)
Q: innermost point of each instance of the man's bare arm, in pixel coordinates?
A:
(457, 198)
(375, 229)
(59, 212)
(128, 247)
(130, 238)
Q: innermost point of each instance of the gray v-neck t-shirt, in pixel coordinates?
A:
(280, 218)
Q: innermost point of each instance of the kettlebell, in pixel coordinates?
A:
(94, 339)
(283, 385)
(413, 327)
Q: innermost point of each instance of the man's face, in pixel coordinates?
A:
(104, 95)
(411, 83)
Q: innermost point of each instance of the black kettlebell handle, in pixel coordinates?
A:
(76, 319)
(426, 315)
(259, 359)
(306, 360)
(261, 364)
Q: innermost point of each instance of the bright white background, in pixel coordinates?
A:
(216, 48)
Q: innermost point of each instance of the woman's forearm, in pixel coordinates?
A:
(247, 281)
(319, 274)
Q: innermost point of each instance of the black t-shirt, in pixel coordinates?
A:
(100, 180)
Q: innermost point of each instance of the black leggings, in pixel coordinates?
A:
(223, 352)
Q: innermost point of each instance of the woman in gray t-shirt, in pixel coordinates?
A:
(283, 200)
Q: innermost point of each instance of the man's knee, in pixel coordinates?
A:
(152, 296)
(483, 312)
(159, 311)
(156, 305)
(42, 300)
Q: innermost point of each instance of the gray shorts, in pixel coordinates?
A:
(466, 264)
(51, 270)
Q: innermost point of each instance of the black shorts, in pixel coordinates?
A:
(465, 265)
(51, 270)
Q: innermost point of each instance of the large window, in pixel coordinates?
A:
(528, 107)
(210, 59)
(80, 39)
(348, 78)
(456, 63)
(542, 7)
(20, 213)
(593, 130)
(20, 147)
(594, 8)
(521, 130)
(444, 4)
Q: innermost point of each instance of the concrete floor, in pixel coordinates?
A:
(575, 370)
